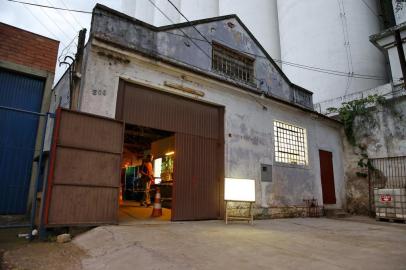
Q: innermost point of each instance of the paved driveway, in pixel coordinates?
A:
(269, 244)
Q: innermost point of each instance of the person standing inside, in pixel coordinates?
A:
(147, 177)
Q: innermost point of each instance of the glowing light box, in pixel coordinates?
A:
(239, 190)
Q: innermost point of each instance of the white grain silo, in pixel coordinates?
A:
(169, 10)
(330, 34)
(261, 18)
(142, 10)
(199, 9)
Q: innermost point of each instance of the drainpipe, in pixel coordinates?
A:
(402, 60)
(77, 67)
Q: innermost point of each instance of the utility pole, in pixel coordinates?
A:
(401, 53)
(76, 72)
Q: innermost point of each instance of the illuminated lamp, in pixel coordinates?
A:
(170, 153)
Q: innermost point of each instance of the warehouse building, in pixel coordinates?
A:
(27, 69)
(208, 105)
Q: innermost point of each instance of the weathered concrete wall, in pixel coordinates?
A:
(248, 127)
(383, 136)
(171, 44)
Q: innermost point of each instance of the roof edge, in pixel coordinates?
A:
(201, 21)
(29, 32)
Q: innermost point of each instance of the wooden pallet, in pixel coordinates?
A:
(391, 220)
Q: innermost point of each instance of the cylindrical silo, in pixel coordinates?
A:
(142, 10)
(261, 18)
(333, 35)
(199, 9)
(169, 10)
(128, 7)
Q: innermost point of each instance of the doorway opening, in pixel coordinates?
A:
(147, 166)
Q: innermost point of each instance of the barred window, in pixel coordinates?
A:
(232, 64)
(290, 144)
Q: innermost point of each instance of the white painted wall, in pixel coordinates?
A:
(334, 35)
(250, 127)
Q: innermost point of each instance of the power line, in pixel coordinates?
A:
(51, 7)
(43, 25)
(166, 16)
(57, 26)
(311, 68)
(350, 74)
(67, 48)
(307, 67)
(170, 2)
(72, 14)
(63, 17)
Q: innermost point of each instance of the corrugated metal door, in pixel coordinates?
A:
(197, 185)
(199, 145)
(18, 131)
(327, 177)
(84, 177)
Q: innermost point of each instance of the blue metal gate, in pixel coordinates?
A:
(20, 101)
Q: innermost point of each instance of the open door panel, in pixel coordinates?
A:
(84, 174)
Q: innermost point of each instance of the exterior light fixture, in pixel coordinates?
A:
(242, 190)
(170, 153)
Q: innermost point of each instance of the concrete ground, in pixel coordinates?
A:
(302, 243)
(130, 210)
(269, 244)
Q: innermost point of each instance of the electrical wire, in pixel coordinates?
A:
(349, 75)
(51, 7)
(348, 46)
(43, 25)
(57, 26)
(312, 68)
(63, 17)
(169, 19)
(72, 14)
(67, 49)
(307, 67)
(346, 41)
(170, 2)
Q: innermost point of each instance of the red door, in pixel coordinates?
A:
(327, 177)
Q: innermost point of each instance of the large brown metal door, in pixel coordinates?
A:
(327, 177)
(199, 145)
(84, 177)
(197, 185)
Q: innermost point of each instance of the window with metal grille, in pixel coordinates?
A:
(232, 64)
(290, 144)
